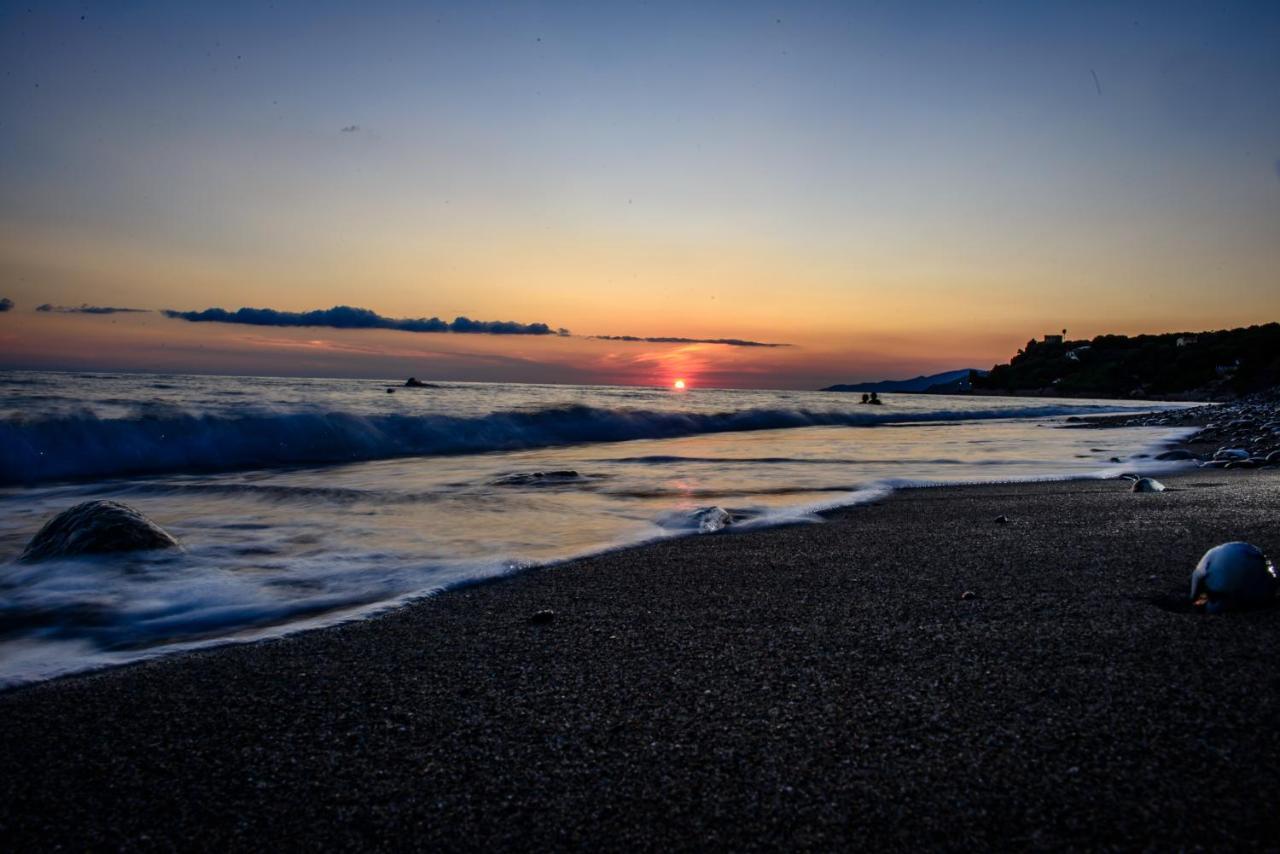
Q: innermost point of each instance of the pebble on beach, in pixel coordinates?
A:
(1147, 484)
(541, 618)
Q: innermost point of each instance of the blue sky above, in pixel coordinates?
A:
(823, 170)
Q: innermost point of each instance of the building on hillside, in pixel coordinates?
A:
(1053, 339)
(1074, 353)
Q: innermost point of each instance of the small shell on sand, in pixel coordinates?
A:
(1233, 576)
(1147, 484)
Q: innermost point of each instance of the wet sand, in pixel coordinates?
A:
(813, 686)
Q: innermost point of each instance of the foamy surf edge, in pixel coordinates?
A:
(83, 445)
(94, 660)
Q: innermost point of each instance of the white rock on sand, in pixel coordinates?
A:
(1233, 576)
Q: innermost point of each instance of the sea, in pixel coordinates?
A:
(306, 502)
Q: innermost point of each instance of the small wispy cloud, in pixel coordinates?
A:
(350, 129)
(349, 317)
(6, 304)
(666, 339)
(89, 309)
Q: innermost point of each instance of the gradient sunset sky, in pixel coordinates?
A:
(889, 188)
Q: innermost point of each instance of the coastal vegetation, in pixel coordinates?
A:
(1206, 365)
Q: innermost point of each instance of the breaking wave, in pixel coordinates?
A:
(84, 445)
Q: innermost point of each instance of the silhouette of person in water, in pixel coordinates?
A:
(865, 399)
(875, 399)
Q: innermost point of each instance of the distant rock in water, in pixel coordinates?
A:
(96, 527)
(538, 478)
(1176, 454)
(414, 382)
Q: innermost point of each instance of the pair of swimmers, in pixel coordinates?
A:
(872, 398)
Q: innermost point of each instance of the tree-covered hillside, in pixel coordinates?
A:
(1177, 364)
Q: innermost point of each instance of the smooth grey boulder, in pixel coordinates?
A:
(1147, 484)
(1233, 576)
(96, 527)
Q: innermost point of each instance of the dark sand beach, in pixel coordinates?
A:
(804, 687)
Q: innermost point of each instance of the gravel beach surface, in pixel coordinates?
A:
(909, 674)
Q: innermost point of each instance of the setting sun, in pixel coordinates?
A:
(678, 385)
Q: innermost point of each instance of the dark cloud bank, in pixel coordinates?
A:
(347, 317)
(730, 342)
(90, 309)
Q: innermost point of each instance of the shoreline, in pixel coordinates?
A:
(776, 517)
(798, 685)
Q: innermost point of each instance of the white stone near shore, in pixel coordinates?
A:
(1233, 576)
(1147, 484)
(713, 519)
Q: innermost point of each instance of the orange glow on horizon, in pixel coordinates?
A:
(678, 385)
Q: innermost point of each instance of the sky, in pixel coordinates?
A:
(887, 188)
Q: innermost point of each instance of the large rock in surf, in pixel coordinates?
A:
(1232, 577)
(96, 527)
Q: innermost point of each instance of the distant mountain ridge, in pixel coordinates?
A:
(944, 383)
